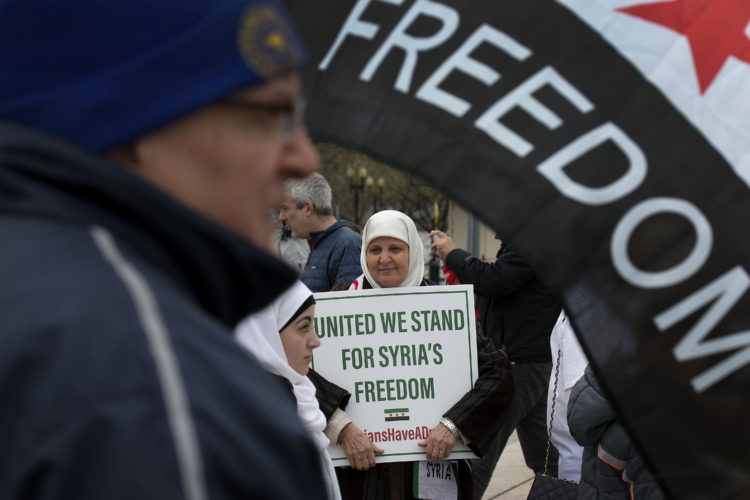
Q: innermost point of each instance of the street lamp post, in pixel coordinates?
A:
(357, 184)
(377, 196)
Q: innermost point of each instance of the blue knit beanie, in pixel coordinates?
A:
(102, 72)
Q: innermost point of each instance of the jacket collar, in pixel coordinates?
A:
(46, 178)
(361, 283)
(317, 236)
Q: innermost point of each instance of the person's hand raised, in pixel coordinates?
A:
(442, 244)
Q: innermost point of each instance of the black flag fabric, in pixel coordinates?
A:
(610, 142)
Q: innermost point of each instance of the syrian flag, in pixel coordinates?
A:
(392, 414)
(609, 141)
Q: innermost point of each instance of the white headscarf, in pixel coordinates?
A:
(400, 226)
(259, 333)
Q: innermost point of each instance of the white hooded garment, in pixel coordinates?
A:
(259, 333)
(396, 225)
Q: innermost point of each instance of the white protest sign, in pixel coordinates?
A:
(406, 355)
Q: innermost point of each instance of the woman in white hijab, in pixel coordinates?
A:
(392, 253)
(282, 338)
(392, 256)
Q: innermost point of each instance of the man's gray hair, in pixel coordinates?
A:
(315, 189)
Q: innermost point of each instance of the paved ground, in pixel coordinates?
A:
(511, 479)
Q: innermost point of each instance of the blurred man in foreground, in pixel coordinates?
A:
(141, 145)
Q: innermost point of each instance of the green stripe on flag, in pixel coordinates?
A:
(395, 410)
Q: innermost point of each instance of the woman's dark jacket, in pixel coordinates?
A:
(479, 414)
(612, 468)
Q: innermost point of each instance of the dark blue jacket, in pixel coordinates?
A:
(334, 258)
(119, 375)
(611, 467)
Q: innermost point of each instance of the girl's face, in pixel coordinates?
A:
(299, 340)
(388, 261)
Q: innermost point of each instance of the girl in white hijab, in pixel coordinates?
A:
(290, 317)
(385, 263)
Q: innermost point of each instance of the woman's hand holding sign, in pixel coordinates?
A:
(358, 448)
(439, 443)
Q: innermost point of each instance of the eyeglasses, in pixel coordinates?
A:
(291, 114)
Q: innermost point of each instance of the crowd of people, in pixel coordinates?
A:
(156, 345)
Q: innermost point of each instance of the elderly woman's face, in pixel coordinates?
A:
(388, 261)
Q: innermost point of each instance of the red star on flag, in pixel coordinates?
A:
(715, 29)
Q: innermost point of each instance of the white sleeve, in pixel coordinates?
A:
(336, 423)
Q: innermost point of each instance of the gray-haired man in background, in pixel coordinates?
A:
(334, 248)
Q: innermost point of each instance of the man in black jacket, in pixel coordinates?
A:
(142, 144)
(517, 311)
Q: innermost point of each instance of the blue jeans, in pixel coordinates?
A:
(528, 417)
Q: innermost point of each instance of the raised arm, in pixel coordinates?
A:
(493, 279)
